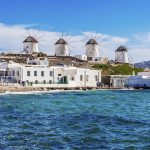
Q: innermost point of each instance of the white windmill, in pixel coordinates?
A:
(61, 48)
(92, 49)
(33, 42)
(92, 46)
(63, 45)
(122, 55)
(30, 45)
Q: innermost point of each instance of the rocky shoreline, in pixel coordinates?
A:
(7, 89)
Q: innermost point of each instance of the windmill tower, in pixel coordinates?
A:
(92, 49)
(121, 55)
(30, 45)
(61, 48)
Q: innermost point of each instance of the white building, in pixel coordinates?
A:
(38, 61)
(121, 55)
(118, 81)
(142, 80)
(82, 57)
(92, 49)
(45, 76)
(61, 48)
(30, 45)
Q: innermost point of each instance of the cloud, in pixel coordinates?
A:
(142, 54)
(139, 46)
(142, 37)
(12, 36)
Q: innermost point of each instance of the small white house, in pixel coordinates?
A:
(38, 61)
(82, 57)
(118, 81)
(61, 48)
(45, 76)
(30, 45)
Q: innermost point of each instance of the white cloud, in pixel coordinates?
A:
(11, 37)
(142, 54)
(142, 37)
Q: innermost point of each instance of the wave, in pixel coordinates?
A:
(38, 92)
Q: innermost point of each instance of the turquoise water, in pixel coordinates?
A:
(85, 120)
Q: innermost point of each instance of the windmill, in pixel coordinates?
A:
(92, 46)
(31, 44)
(63, 44)
(122, 56)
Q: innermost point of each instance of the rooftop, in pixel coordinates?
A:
(61, 41)
(121, 49)
(92, 41)
(30, 39)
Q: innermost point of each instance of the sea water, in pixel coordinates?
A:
(83, 120)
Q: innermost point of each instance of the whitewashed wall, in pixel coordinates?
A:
(92, 50)
(121, 57)
(30, 47)
(59, 75)
(61, 50)
(138, 81)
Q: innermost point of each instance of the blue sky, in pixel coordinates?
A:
(107, 16)
(122, 18)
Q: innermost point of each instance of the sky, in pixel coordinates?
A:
(112, 22)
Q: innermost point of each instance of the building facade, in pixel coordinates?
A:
(118, 81)
(45, 76)
(142, 80)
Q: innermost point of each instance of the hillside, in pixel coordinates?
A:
(144, 64)
(117, 70)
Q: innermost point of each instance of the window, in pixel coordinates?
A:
(72, 78)
(13, 73)
(59, 75)
(96, 78)
(18, 73)
(42, 73)
(28, 73)
(44, 81)
(87, 78)
(51, 73)
(35, 73)
(50, 81)
(81, 77)
(36, 81)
